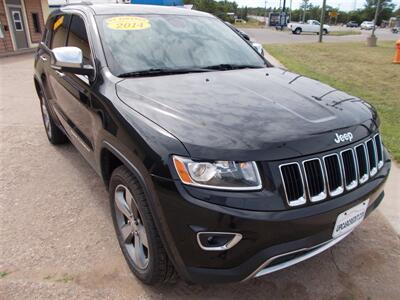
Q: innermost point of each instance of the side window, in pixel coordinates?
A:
(77, 37)
(59, 31)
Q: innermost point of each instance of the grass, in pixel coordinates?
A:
(345, 32)
(360, 71)
(3, 274)
(251, 23)
(63, 279)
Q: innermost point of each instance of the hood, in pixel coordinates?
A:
(266, 114)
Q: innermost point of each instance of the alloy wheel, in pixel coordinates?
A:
(46, 119)
(131, 227)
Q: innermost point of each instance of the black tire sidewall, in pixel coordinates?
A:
(57, 136)
(150, 273)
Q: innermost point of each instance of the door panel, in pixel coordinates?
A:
(18, 27)
(72, 95)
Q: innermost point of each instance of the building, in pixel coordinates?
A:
(21, 24)
(23, 21)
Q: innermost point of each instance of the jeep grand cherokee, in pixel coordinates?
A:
(219, 166)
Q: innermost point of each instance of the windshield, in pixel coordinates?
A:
(137, 43)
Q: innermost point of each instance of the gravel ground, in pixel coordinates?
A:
(58, 242)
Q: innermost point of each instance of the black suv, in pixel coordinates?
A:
(218, 165)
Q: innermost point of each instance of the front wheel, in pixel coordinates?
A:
(325, 31)
(297, 31)
(136, 231)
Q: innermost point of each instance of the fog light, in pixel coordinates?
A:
(218, 241)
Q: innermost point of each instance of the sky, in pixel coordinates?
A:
(342, 4)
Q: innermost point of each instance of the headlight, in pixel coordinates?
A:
(225, 175)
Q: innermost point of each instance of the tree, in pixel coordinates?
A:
(304, 6)
(385, 12)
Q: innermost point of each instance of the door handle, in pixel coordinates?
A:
(43, 58)
(60, 74)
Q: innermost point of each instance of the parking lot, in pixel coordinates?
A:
(58, 241)
(271, 36)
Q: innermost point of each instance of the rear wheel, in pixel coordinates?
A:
(136, 231)
(54, 134)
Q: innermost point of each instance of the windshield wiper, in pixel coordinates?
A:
(160, 72)
(224, 67)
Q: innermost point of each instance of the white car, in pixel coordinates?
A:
(367, 25)
(310, 26)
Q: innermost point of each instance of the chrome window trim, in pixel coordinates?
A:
(237, 237)
(300, 201)
(366, 176)
(340, 189)
(374, 170)
(354, 183)
(323, 194)
(380, 162)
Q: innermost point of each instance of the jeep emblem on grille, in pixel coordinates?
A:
(343, 137)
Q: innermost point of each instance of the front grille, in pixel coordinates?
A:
(333, 174)
(293, 184)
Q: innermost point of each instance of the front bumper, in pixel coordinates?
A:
(271, 240)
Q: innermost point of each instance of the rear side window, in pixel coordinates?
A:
(59, 31)
(78, 37)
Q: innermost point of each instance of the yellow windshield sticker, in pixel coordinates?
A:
(128, 23)
(58, 23)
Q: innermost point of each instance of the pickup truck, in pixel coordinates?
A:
(310, 26)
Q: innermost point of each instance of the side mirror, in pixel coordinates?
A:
(258, 47)
(70, 59)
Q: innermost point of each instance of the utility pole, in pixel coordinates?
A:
(376, 17)
(305, 5)
(371, 40)
(290, 18)
(321, 28)
(283, 15)
(265, 14)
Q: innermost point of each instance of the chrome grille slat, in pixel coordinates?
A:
(371, 150)
(333, 174)
(293, 184)
(379, 150)
(349, 169)
(315, 179)
(362, 163)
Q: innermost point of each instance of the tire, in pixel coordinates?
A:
(54, 134)
(325, 32)
(297, 30)
(136, 232)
